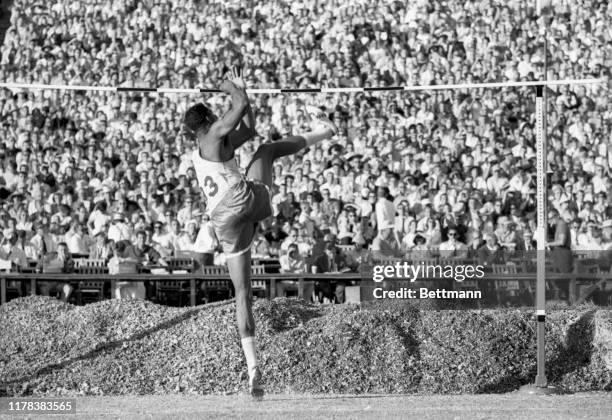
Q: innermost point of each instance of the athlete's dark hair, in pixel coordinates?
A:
(198, 117)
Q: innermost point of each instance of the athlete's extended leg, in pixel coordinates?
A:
(260, 168)
(240, 272)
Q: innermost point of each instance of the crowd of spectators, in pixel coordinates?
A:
(445, 171)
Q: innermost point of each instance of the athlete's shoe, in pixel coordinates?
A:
(319, 118)
(255, 387)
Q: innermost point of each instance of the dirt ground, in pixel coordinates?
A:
(515, 406)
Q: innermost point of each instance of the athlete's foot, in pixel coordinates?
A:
(318, 119)
(255, 387)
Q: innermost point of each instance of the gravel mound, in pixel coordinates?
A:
(48, 348)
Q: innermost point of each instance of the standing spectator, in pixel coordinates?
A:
(64, 262)
(125, 262)
(385, 210)
(560, 245)
(293, 263)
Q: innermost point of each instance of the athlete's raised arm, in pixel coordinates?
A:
(245, 130)
(230, 120)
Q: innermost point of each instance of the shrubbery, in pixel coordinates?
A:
(136, 347)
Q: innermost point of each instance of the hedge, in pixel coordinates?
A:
(49, 348)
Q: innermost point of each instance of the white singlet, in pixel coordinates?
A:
(215, 178)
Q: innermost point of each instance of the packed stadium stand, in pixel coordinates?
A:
(446, 174)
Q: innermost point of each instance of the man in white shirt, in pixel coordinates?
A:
(279, 198)
(186, 241)
(119, 229)
(206, 242)
(385, 210)
(10, 250)
(331, 184)
(78, 242)
(292, 261)
(186, 212)
(42, 242)
(163, 239)
(98, 219)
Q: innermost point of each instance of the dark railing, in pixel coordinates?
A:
(502, 272)
(267, 281)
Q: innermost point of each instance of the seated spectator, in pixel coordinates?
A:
(290, 240)
(506, 234)
(527, 243)
(475, 244)
(453, 248)
(420, 250)
(260, 247)
(385, 243)
(11, 250)
(186, 241)
(100, 249)
(292, 261)
(163, 238)
(42, 242)
(409, 234)
(145, 254)
(119, 230)
(275, 237)
(305, 241)
(185, 213)
(490, 253)
(78, 242)
(98, 220)
(174, 235)
(330, 261)
(349, 226)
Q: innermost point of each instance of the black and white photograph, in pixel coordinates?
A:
(311, 209)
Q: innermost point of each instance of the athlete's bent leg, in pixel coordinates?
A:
(239, 267)
(260, 168)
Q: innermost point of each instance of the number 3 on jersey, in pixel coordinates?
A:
(209, 187)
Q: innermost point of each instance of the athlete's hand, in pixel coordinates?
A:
(235, 76)
(227, 86)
